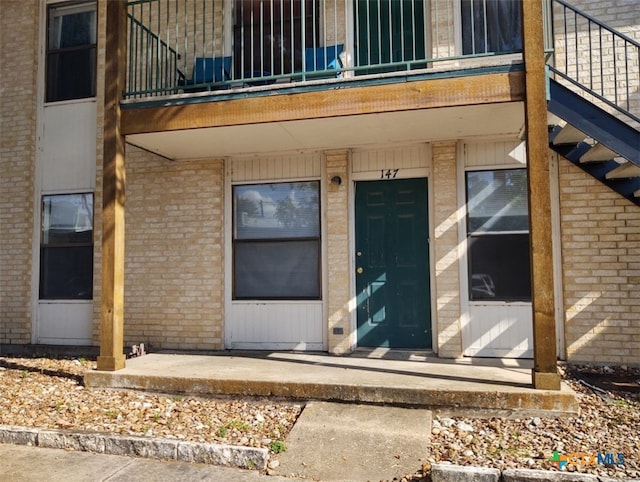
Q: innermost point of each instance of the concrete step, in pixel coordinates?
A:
(569, 135)
(598, 153)
(625, 170)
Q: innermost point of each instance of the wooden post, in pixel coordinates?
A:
(545, 371)
(113, 190)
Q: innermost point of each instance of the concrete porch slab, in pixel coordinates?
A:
(498, 387)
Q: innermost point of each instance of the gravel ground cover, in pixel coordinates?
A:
(608, 422)
(49, 393)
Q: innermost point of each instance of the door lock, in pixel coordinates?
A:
(359, 270)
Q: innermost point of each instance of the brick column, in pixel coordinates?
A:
(338, 265)
(447, 271)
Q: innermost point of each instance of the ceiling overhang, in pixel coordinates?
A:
(488, 120)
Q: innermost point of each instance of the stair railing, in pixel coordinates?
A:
(596, 59)
(152, 64)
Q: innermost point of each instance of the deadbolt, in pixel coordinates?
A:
(359, 270)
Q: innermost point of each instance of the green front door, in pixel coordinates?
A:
(392, 264)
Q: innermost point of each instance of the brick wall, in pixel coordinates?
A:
(601, 266)
(174, 273)
(600, 234)
(447, 275)
(338, 271)
(19, 38)
(97, 203)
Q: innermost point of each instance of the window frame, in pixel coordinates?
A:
(235, 240)
(472, 235)
(53, 76)
(53, 246)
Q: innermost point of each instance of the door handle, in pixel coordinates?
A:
(359, 270)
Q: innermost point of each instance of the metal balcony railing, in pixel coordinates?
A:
(596, 60)
(184, 46)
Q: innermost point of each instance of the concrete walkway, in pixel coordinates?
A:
(498, 387)
(337, 442)
(22, 463)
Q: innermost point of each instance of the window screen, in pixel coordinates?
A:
(498, 232)
(276, 242)
(66, 248)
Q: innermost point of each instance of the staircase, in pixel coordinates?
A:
(603, 145)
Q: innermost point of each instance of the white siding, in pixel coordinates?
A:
(64, 323)
(68, 146)
(495, 330)
(480, 155)
(287, 166)
(276, 326)
(410, 160)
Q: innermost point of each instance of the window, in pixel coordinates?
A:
(71, 51)
(66, 249)
(276, 241)
(498, 235)
(491, 26)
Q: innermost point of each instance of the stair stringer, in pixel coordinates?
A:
(604, 129)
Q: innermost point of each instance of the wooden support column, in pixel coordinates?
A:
(545, 371)
(113, 191)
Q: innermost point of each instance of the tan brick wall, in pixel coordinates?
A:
(174, 273)
(601, 266)
(442, 39)
(447, 275)
(97, 201)
(18, 61)
(338, 272)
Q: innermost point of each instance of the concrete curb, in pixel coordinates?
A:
(154, 448)
(457, 473)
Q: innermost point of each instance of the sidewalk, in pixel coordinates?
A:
(21, 463)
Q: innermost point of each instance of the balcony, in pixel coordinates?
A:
(194, 46)
(213, 77)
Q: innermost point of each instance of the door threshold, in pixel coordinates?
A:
(383, 353)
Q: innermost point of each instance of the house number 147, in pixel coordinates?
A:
(388, 173)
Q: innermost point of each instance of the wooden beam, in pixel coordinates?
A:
(545, 372)
(113, 191)
(424, 94)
